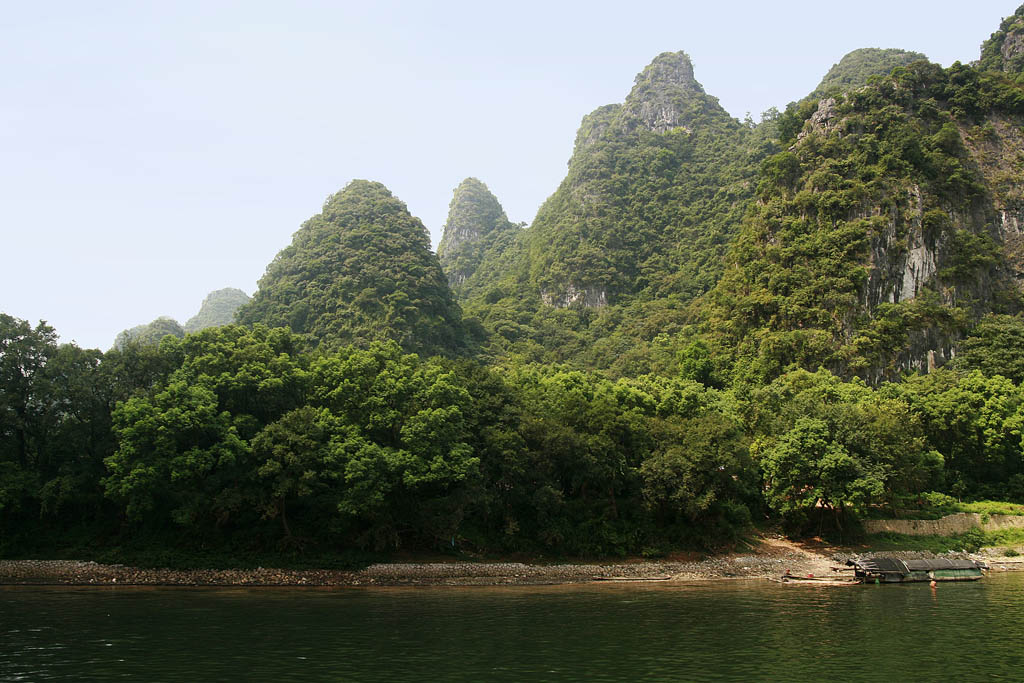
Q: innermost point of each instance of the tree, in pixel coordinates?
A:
(402, 439)
(840, 446)
(700, 475)
(976, 423)
(808, 467)
(995, 346)
(24, 401)
(179, 457)
(295, 464)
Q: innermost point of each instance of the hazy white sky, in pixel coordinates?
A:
(151, 152)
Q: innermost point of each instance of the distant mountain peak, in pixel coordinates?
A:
(475, 221)
(217, 309)
(668, 70)
(359, 271)
(666, 95)
(856, 67)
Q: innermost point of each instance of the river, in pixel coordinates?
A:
(727, 630)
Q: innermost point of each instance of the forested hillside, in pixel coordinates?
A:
(361, 270)
(656, 188)
(856, 68)
(711, 324)
(149, 334)
(882, 234)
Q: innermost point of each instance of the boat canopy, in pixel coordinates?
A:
(892, 565)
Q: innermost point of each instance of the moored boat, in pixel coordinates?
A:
(894, 570)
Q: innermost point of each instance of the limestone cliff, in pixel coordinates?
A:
(1004, 50)
(666, 95)
(654, 187)
(888, 227)
(476, 225)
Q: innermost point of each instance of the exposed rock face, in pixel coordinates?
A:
(1004, 50)
(822, 120)
(996, 146)
(920, 249)
(1013, 47)
(591, 297)
(594, 125)
(665, 94)
(475, 223)
(902, 261)
(218, 309)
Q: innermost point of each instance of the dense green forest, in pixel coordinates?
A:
(711, 324)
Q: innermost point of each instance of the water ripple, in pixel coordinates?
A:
(725, 631)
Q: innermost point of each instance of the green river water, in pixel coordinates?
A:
(732, 630)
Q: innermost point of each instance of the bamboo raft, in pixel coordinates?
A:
(817, 581)
(632, 578)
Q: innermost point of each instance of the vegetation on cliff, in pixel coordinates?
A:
(856, 68)
(360, 271)
(477, 230)
(875, 239)
(656, 189)
(1004, 50)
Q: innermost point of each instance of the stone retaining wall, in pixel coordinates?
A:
(949, 525)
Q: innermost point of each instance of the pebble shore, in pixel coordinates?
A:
(766, 562)
(769, 560)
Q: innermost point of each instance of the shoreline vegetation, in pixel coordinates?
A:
(769, 557)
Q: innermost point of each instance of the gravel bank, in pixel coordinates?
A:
(770, 560)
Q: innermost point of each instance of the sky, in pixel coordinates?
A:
(151, 152)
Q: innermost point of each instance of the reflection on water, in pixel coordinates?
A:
(730, 630)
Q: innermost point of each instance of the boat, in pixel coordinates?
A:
(893, 570)
(817, 581)
(632, 578)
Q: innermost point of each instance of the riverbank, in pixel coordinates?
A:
(768, 557)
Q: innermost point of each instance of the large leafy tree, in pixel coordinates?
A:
(839, 446)
(24, 405)
(178, 456)
(976, 422)
(401, 440)
(996, 347)
(297, 468)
